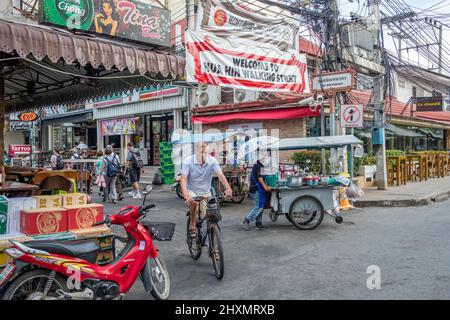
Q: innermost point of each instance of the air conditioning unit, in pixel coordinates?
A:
(245, 95)
(208, 95)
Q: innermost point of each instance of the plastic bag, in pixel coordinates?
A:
(354, 191)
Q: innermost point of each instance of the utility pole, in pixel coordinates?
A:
(191, 92)
(379, 101)
(333, 57)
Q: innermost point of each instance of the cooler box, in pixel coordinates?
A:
(43, 221)
(83, 216)
(48, 201)
(74, 199)
(3, 214)
(15, 205)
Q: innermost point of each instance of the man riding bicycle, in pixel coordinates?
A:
(196, 178)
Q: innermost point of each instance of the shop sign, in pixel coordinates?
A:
(19, 126)
(160, 93)
(114, 127)
(220, 62)
(339, 81)
(223, 18)
(16, 149)
(28, 116)
(352, 116)
(429, 104)
(135, 20)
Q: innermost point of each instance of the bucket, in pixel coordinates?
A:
(271, 180)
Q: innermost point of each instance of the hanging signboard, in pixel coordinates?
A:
(338, 81)
(429, 104)
(28, 116)
(216, 61)
(352, 116)
(19, 126)
(223, 18)
(135, 20)
(18, 149)
(118, 126)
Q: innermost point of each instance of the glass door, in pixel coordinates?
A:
(158, 128)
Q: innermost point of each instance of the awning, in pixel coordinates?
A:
(317, 142)
(434, 135)
(273, 114)
(402, 132)
(68, 117)
(54, 64)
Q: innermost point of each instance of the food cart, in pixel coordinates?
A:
(304, 200)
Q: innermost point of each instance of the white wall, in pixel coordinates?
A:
(404, 94)
(13, 137)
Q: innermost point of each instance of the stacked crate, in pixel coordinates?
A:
(167, 167)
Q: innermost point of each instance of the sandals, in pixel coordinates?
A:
(192, 234)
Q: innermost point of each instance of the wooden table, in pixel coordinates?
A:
(399, 167)
(24, 173)
(17, 189)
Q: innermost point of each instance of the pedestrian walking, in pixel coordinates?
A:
(135, 166)
(100, 178)
(258, 189)
(110, 170)
(56, 160)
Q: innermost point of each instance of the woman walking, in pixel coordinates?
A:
(110, 170)
(100, 180)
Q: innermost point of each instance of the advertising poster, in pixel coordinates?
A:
(118, 126)
(135, 20)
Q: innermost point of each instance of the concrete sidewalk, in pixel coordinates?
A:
(410, 195)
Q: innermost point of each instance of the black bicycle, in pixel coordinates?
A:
(209, 235)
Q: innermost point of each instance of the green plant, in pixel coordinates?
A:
(395, 153)
(365, 160)
(315, 158)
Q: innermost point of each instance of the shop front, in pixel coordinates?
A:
(146, 120)
(64, 131)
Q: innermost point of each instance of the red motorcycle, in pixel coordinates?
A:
(59, 270)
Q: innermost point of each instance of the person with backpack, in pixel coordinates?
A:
(135, 166)
(110, 170)
(56, 160)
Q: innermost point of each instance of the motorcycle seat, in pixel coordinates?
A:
(82, 249)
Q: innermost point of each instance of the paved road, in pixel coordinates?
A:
(410, 245)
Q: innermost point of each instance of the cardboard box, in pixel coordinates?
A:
(84, 216)
(3, 214)
(74, 199)
(48, 201)
(43, 221)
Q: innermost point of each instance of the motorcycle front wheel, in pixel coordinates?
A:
(160, 279)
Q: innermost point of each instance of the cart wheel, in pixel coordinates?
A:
(289, 218)
(239, 198)
(306, 213)
(273, 215)
(339, 219)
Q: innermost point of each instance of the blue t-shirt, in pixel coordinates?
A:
(199, 177)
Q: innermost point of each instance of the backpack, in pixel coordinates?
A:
(112, 167)
(137, 160)
(59, 163)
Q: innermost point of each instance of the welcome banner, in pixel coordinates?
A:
(216, 61)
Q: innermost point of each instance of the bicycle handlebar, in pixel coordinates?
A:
(218, 196)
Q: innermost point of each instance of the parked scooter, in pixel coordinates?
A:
(59, 270)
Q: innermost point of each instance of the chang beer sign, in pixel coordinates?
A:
(135, 20)
(71, 14)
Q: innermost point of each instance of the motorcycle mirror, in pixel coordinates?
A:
(148, 189)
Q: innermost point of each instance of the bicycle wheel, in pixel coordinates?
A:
(194, 245)
(216, 251)
(306, 213)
